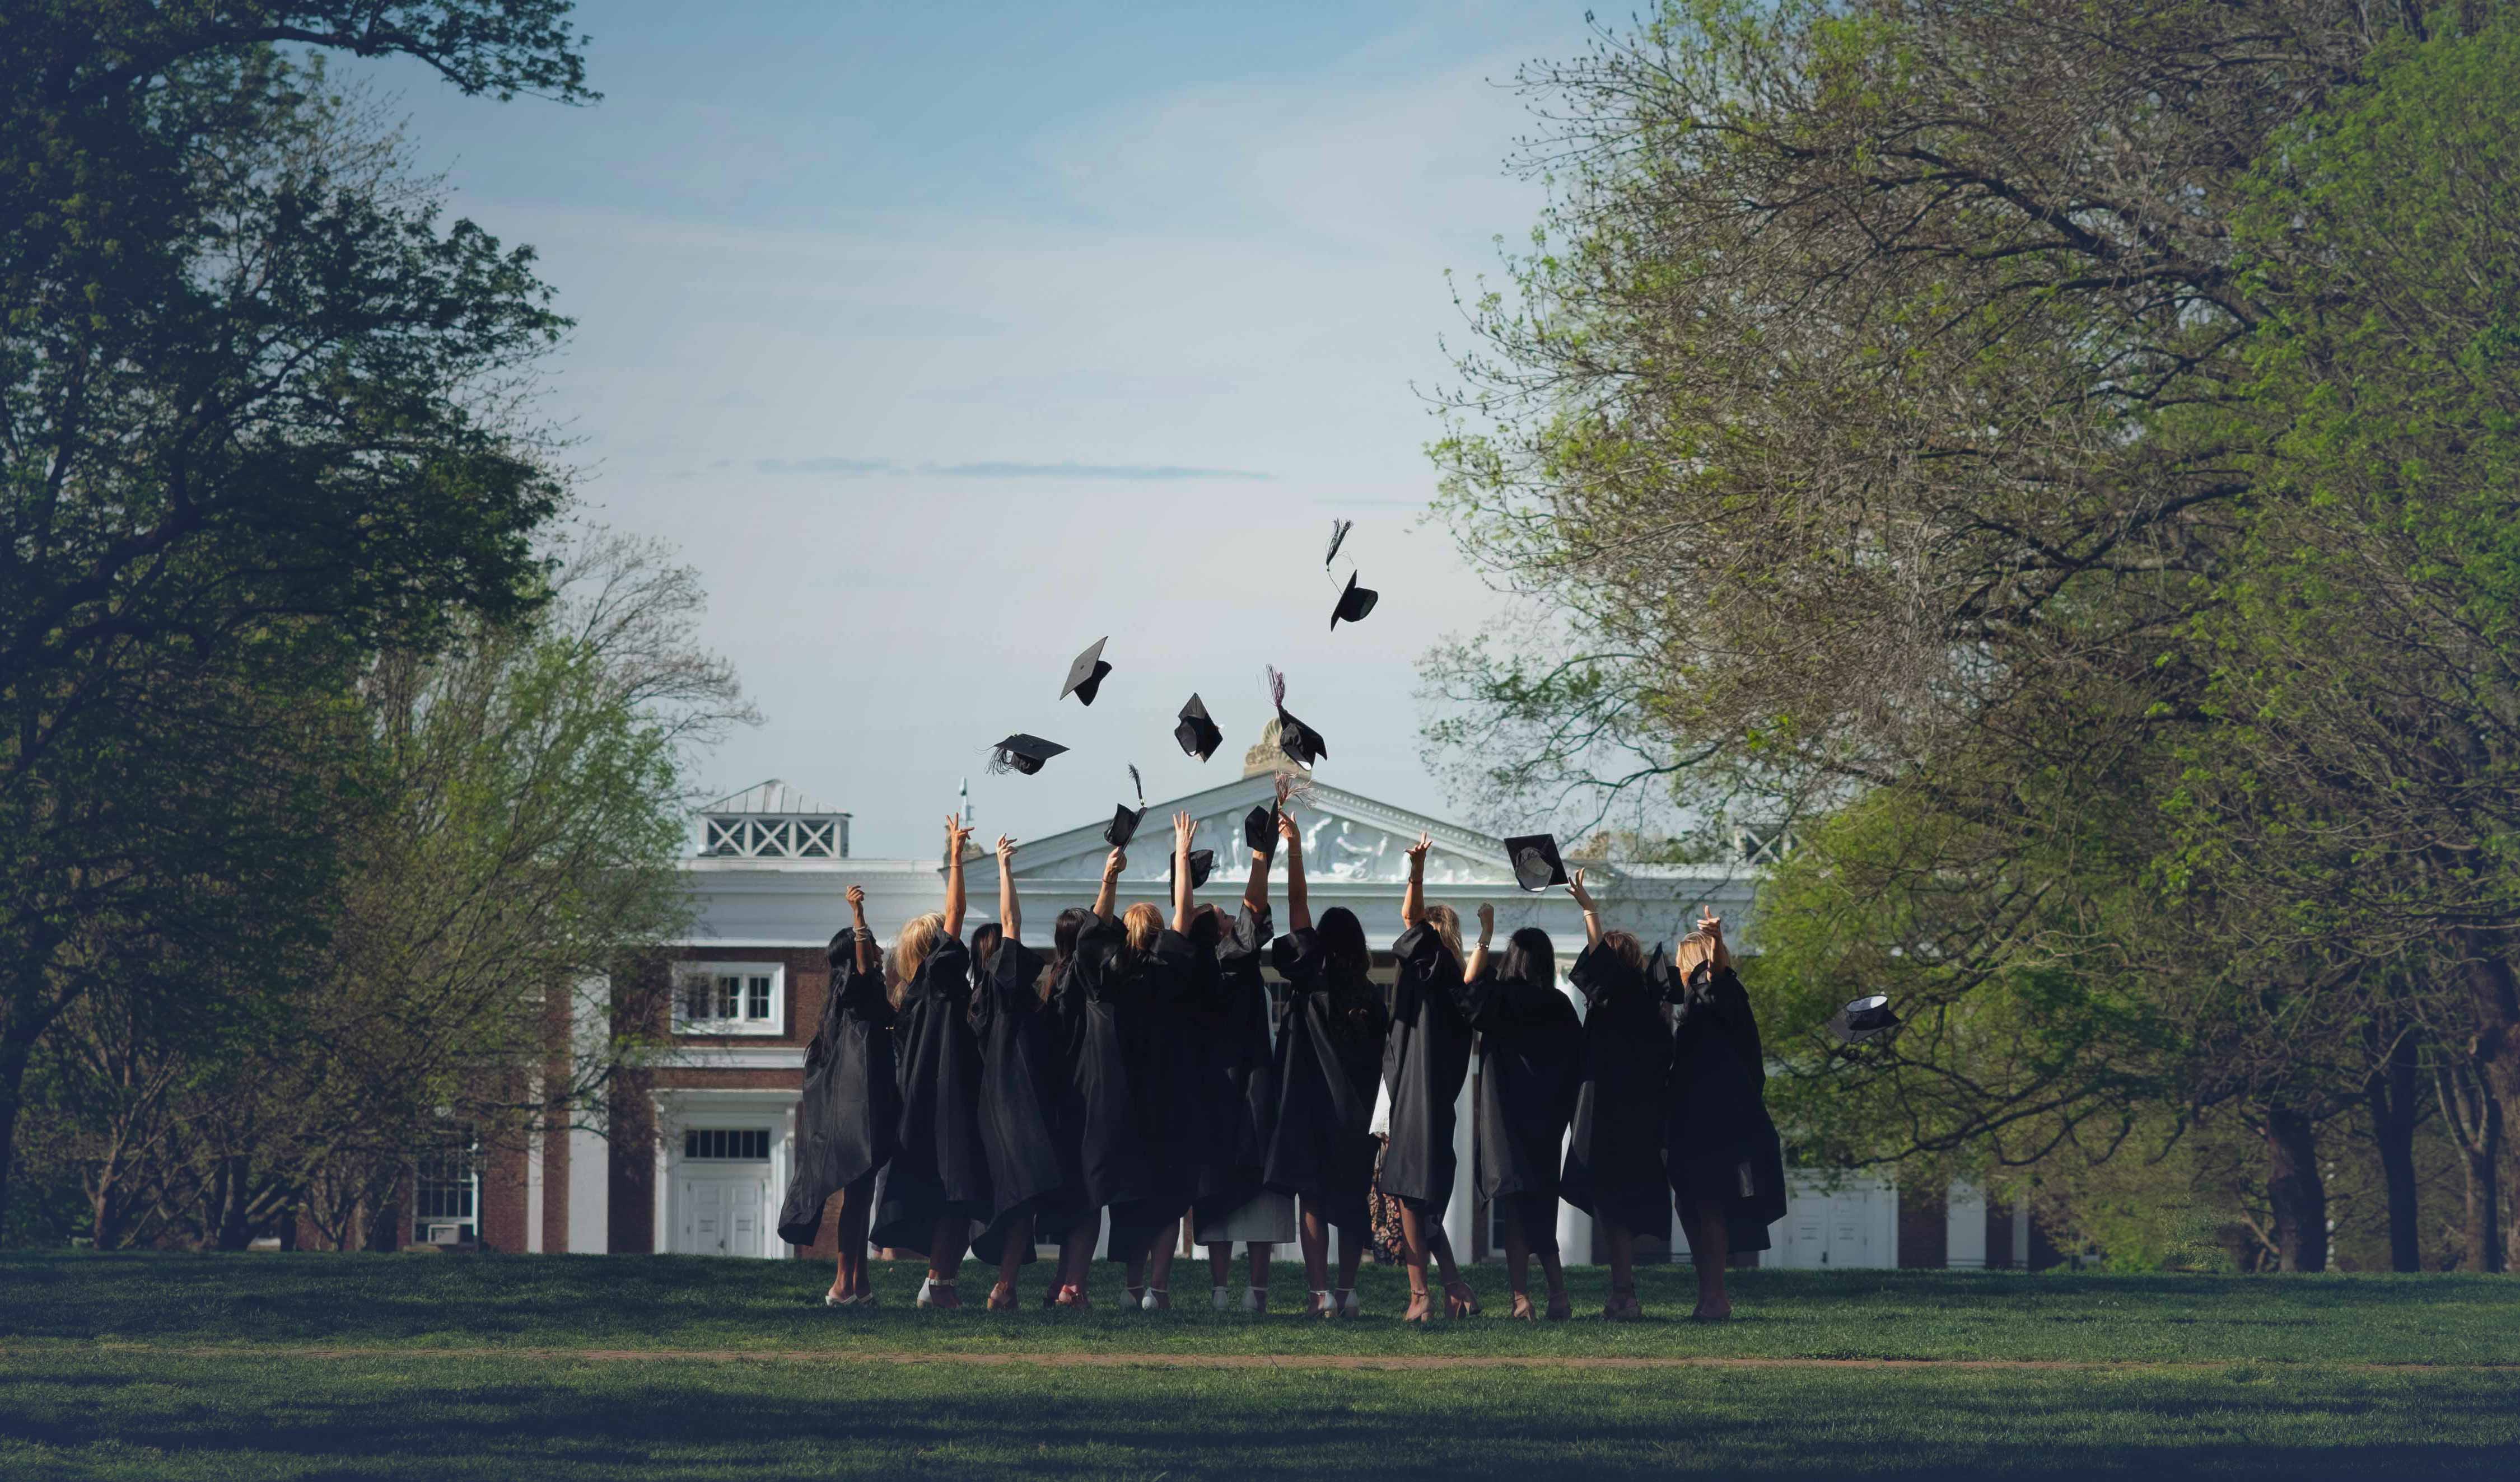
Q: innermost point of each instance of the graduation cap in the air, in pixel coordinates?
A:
(1535, 865)
(1260, 830)
(1301, 742)
(1125, 819)
(1197, 733)
(1085, 676)
(1201, 861)
(1866, 1020)
(1354, 602)
(1023, 753)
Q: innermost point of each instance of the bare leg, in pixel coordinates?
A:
(1220, 1262)
(1412, 1254)
(1076, 1258)
(1159, 1261)
(1459, 1300)
(1559, 1308)
(1351, 1256)
(1011, 1265)
(1710, 1243)
(1518, 1268)
(945, 1256)
(856, 1208)
(1261, 1253)
(1622, 1304)
(1315, 1237)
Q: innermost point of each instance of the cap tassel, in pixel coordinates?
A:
(1339, 535)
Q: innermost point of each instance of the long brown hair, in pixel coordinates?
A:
(1447, 923)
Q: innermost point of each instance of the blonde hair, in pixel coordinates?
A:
(1145, 922)
(917, 939)
(1447, 923)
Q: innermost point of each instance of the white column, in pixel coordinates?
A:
(2020, 1233)
(1574, 1226)
(589, 1153)
(1460, 1211)
(663, 1220)
(1965, 1227)
(534, 1192)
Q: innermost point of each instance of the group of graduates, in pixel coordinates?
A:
(967, 1098)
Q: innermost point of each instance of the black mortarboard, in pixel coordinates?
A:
(1302, 744)
(1201, 861)
(1023, 753)
(1125, 819)
(1354, 602)
(1260, 830)
(1085, 676)
(1197, 733)
(1535, 865)
(1865, 1019)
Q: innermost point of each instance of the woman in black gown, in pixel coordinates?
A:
(1531, 1066)
(938, 1183)
(1032, 1167)
(1105, 980)
(850, 1114)
(1425, 1059)
(1239, 1080)
(1328, 1059)
(1726, 1165)
(1614, 1170)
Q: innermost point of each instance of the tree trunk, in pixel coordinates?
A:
(14, 1057)
(2390, 1094)
(235, 1228)
(2297, 1192)
(2484, 1168)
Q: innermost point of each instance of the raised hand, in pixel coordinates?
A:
(857, 900)
(1006, 850)
(1487, 921)
(1287, 830)
(1185, 830)
(956, 834)
(1418, 851)
(1118, 861)
(1575, 889)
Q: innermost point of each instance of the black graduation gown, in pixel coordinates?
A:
(849, 1119)
(1329, 1058)
(1167, 1083)
(1531, 1067)
(942, 1170)
(1239, 1075)
(1103, 990)
(1718, 1142)
(1614, 1167)
(1031, 1166)
(1425, 1058)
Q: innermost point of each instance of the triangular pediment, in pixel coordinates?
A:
(1346, 837)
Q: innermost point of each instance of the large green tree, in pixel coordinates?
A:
(258, 418)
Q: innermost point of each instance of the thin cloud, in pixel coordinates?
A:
(847, 466)
(1148, 472)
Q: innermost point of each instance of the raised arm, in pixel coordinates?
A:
(956, 834)
(1010, 910)
(1711, 926)
(1110, 891)
(1592, 907)
(864, 945)
(1478, 964)
(1255, 891)
(1185, 830)
(1413, 901)
(1299, 910)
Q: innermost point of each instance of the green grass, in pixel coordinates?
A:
(103, 1375)
(695, 1303)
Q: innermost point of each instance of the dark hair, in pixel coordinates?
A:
(1063, 939)
(984, 942)
(844, 948)
(1206, 927)
(1531, 956)
(1344, 940)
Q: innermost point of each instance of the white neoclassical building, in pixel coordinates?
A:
(697, 1151)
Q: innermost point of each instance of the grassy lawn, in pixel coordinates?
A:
(103, 1376)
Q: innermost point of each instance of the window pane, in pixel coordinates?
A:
(756, 998)
(727, 987)
(696, 998)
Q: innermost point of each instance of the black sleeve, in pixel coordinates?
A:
(1302, 960)
(1601, 974)
(1731, 1004)
(1013, 974)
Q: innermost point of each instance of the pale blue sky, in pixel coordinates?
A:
(946, 340)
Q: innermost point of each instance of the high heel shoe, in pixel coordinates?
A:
(1560, 1308)
(1134, 1298)
(1522, 1310)
(1460, 1301)
(1001, 1298)
(1255, 1299)
(1623, 1306)
(1344, 1302)
(938, 1294)
(1421, 1309)
(1074, 1299)
(1320, 1305)
(1156, 1300)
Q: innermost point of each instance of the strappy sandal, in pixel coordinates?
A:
(1460, 1301)
(1522, 1310)
(1074, 1299)
(1156, 1300)
(1219, 1299)
(1255, 1299)
(1559, 1307)
(1134, 1298)
(1322, 1305)
(931, 1291)
(1010, 1301)
(1623, 1306)
(1347, 1304)
(1421, 1308)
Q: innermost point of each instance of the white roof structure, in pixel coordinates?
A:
(770, 821)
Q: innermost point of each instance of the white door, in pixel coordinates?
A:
(720, 1216)
(1822, 1230)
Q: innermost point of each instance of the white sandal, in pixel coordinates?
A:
(1255, 1299)
(1347, 1306)
(1324, 1305)
(1156, 1300)
(932, 1284)
(1217, 1299)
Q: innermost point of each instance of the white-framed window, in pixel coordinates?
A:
(726, 1144)
(730, 998)
(446, 1192)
